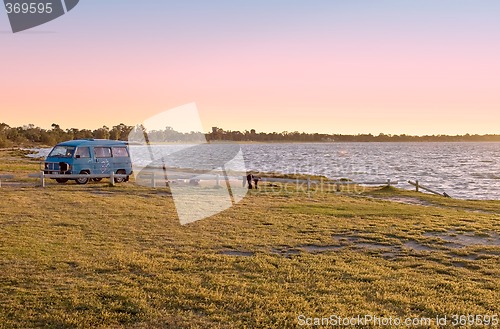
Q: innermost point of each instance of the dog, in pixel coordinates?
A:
(252, 178)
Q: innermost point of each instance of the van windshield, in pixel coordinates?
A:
(62, 151)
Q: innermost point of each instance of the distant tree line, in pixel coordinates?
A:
(252, 135)
(30, 135)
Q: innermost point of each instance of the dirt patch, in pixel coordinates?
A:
(373, 246)
(462, 239)
(312, 248)
(16, 184)
(390, 255)
(453, 245)
(287, 252)
(237, 253)
(414, 245)
(467, 257)
(346, 239)
(450, 240)
(103, 193)
(405, 200)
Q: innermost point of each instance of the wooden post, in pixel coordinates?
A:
(338, 187)
(42, 179)
(112, 179)
(416, 185)
(389, 182)
(308, 183)
(153, 179)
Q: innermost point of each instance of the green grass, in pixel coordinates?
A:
(111, 257)
(492, 206)
(13, 161)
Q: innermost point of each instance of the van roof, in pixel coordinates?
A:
(93, 142)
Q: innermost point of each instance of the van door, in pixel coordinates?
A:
(103, 160)
(121, 159)
(82, 160)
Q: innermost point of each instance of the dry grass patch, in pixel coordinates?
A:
(112, 257)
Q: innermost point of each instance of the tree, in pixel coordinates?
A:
(101, 133)
(120, 132)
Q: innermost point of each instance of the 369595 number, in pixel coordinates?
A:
(28, 8)
(474, 320)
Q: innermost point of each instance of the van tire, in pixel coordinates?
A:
(120, 179)
(83, 180)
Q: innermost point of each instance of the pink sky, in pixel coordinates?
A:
(348, 79)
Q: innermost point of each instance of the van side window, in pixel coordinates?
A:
(82, 152)
(120, 152)
(102, 152)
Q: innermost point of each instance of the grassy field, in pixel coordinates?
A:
(96, 256)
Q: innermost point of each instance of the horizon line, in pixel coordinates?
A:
(277, 132)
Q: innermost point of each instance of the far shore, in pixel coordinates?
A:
(40, 146)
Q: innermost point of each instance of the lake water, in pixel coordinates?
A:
(463, 170)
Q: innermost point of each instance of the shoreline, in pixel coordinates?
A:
(30, 146)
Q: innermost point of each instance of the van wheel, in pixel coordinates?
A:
(61, 180)
(82, 180)
(120, 179)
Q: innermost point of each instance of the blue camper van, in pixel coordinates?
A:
(91, 157)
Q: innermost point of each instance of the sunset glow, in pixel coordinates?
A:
(421, 67)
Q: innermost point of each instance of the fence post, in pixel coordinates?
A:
(308, 183)
(338, 187)
(112, 179)
(153, 180)
(389, 182)
(416, 185)
(42, 179)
